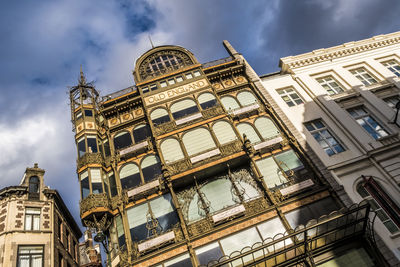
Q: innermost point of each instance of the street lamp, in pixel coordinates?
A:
(102, 238)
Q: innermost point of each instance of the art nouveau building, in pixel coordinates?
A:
(342, 101)
(36, 228)
(192, 166)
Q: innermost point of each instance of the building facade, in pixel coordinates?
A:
(192, 166)
(341, 101)
(89, 253)
(36, 228)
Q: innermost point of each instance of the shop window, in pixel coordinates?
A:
(352, 257)
(141, 133)
(229, 103)
(266, 128)
(224, 132)
(159, 116)
(151, 168)
(207, 100)
(171, 150)
(85, 189)
(130, 176)
(197, 141)
(246, 98)
(183, 108)
(122, 140)
(248, 130)
(97, 185)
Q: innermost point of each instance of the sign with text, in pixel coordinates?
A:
(143, 188)
(156, 241)
(228, 213)
(190, 87)
(296, 187)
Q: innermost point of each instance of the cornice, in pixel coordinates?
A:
(346, 49)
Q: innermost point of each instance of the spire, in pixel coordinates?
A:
(151, 42)
(82, 79)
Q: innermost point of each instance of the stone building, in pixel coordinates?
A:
(192, 166)
(341, 102)
(36, 228)
(90, 255)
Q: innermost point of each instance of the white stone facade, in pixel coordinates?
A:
(375, 153)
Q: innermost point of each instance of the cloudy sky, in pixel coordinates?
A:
(44, 42)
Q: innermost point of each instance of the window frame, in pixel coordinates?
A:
(367, 114)
(89, 177)
(30, 254)
(289, 95)
(335, 90)
(395, 69)
(32, 218)
(356, 73)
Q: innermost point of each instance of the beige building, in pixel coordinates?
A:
(341, 102)
(36, 228)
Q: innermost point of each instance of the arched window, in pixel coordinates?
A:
(381, 203)
(171, 150)
(198, 140)
(219, 193)
(183, 108)
(207, 100)
(224, 132)
(248, 130)
(246, 98)
(266, 127)
(229, 103)
(141, 132)
(130, 176)
(159, 116)
(34, 184)
(151, 168)
(122, 139)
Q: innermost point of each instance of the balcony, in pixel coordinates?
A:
(287, 249)
(94, 203)
(136, 149)
(89, 158)
(204, 157)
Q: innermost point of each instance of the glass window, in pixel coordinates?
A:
(392, 101)
(352, 257)
(324, 138)
(113, 185)
(122, 140)
(81, 146)
(153, 87)
(30, 256)
(188, 76)
(141, 132)
(248, 130)
(229, 103)
(88, 113)
(183, 108)
(207, 100)
(208, 252)
(360, 114)
(266, 127)
(181, 261)
(92, 144)
(159, 116)
(97, 185)
(145, 89)
(120, 230)
(246, 98)
(196, 73)
(107, 151)
(78, 115)
(32, 219)
(271, 172)
(130, 176)
(290, 96)
(179, 79)
(271, 228)
(288, 160)
(151, 168)
(240, 240)
(34, 184)
(330, 85)
(171, 150)
(163, 84)
(224, 132)
(85, 189)
(393, 66)
(218, 192)
(198, 140)
(364, 76)
(171, 81)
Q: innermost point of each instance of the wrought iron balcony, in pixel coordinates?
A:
(89, 158)
(95, 203)
(286, 249)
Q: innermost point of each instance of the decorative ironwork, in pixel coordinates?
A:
(101, 225)
(94, 201)
(152, 224)
(200, 227)
(184, 198)
(179, 166)
(212, 112)
(89, 158)
(231, 148)
(255, 206)
(203, 204)
(164, 127)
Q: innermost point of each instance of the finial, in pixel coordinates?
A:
(151, 42)
(82, 79)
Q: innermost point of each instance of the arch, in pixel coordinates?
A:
(224, 132)
(229, 103)
(266, 127)
(122, 139)
(248, 130)
(151, 168)
(197, 140)
(141, 132)
(159, 116)
(207, 100)
(171, 150)
(183, 108)
(129, 176)
(246, 98)
(34, 184)
(218, 192)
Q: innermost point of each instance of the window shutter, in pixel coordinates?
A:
(171, 150)
(270, 171)
(224, 132)
(229, 103)
(246, 98)
(245, 128)
(266, 127)
(198, 140)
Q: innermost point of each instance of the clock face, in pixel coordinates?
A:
(163, 62)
